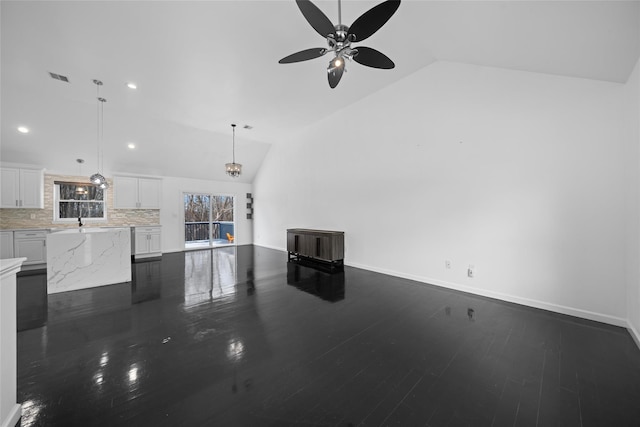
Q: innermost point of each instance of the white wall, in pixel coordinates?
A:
(172, 209)
(517, 173)
(632, 104)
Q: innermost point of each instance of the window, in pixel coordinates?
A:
(75, 200)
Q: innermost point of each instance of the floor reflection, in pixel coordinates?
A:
(328, 286)
(209, 275)
(32, 299)
(146, 281)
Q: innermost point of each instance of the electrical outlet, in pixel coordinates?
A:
(32, 216)
(447, 264)
(471, 272)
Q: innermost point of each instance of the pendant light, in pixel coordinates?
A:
(80, 189)
(234, 169)
(97, 178)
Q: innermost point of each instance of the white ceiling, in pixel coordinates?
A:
(203, 65)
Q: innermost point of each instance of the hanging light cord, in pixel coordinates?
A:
(98, 83)
(100, 127)
(102, 101)
(234, 143)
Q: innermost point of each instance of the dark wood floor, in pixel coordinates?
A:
(226, 338)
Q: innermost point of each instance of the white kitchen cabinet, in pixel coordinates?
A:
(125, 192)
(31, 244)
(136, 193)
(149, 193)
(6, 244)
(10, 187)
(22, 188)
(148, 242)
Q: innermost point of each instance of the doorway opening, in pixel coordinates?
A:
(208, 220)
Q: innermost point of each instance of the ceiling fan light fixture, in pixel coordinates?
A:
(336, 64)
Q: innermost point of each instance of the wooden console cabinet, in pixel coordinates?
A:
(318, 245)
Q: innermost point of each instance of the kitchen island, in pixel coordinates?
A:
(88, 257)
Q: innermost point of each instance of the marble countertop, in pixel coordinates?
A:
(27, 229)
(58, 229)
(86, 257)
(10, 265)
(88, 230)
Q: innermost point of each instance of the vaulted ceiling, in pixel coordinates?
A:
(202, 65)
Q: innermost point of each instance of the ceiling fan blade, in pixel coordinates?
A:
(303, 55)
(373, 58)
(373, 19)
(316, 18)
(334, 74)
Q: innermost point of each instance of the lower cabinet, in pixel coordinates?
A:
(6, 244)
(32, 245)
(147, 242)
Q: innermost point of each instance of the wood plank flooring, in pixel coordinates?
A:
(240, 337)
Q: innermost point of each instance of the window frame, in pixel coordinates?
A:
(56, 204)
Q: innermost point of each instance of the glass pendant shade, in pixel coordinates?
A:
(98, 179)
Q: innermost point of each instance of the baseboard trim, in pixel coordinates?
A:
(13, 416)
(556, 308)
(272, 247)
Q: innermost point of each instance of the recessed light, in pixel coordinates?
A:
(132, 85)
(131, 145)
(23, 129)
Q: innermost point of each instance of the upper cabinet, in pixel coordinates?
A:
(131, 192)
(22, 188)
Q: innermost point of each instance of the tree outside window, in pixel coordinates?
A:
(79, 200)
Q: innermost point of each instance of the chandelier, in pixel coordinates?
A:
(97, 178)
(234, 169)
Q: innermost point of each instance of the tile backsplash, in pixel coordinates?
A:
(43, 218)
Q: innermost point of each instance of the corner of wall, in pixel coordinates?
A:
(632, 122)
(634, 334)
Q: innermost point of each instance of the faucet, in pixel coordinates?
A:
(80, 224)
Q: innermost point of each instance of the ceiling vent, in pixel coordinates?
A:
(59, 77)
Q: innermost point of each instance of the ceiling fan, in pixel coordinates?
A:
(340, 37)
